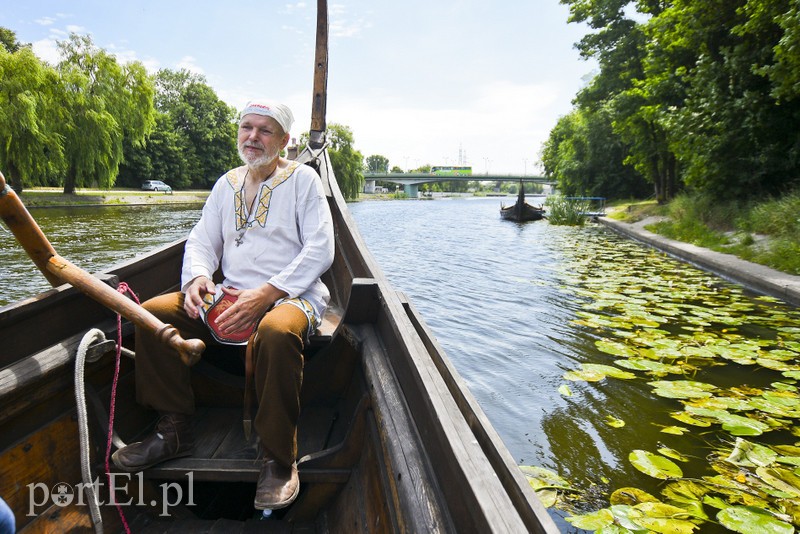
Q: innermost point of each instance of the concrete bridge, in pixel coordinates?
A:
(411, 180)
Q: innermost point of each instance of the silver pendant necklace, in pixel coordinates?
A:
(248, 222)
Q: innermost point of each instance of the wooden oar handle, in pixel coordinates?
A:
(189, 350)
(58, 270)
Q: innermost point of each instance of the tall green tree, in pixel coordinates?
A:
(8, 40)
(377, 163)
(195, 137)
(103, 103)
(209, 125)
(702, 93)
(162, 158)
(620, 46)
(737, 133)
(346, 160)
(31, 146)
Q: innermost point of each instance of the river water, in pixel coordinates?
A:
(518, 307)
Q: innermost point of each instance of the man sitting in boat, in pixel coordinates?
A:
(268, 226)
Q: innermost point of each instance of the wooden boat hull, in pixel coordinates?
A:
(390, 438)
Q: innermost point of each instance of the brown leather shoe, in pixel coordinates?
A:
(172, 438)
(278, 485)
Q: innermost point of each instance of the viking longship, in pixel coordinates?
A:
(521, 210)
(390, 438)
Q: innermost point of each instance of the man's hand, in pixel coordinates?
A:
(197, 289)
(250, 307)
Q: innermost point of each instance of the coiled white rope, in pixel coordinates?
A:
(92, 336)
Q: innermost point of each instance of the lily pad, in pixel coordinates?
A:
(540, 477)
(724, 403)
(780, 479)
(608, 370)
(737, 425)
(584, 375)
(662, 518)
(595, 372)
(675, 430)
(548, 497)
(654, 465)
(777, 365)
(750, 454)
(752, 520)
(781, 355)
(615, 348)
(681, 389)
(592, 521)
(622, 520)
(685, 491)
(564, 390)
(689, 419)
(672, 453)
(790, 399)
(789, 460)
(656, 368)
(614, 422)
(631, 496)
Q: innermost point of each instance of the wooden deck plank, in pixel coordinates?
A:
(211, 427)
(313, 428)
(234, 445)
(221, 452)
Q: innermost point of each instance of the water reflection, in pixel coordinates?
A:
(92, 238)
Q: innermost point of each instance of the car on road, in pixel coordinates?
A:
(156, 185)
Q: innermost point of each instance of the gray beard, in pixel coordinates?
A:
(261, 161)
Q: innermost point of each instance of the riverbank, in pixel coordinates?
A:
(50, 196)
(752, 275)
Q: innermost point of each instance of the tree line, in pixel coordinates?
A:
(691, 95)
(90, 121)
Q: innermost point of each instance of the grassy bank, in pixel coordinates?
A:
(765, 232)
(45, 196)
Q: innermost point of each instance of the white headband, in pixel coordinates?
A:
(277, 111)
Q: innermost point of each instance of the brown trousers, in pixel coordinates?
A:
(163, 382)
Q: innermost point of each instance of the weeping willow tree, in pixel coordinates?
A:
(30, 148)
(348, 163)
(103, 103)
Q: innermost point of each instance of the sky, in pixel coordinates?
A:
(435, 82)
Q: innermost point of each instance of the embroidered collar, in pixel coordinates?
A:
(264, 196)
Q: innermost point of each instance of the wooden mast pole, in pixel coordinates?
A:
(58, 271)
(316, 137)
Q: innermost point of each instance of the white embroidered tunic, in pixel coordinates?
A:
(287, 239)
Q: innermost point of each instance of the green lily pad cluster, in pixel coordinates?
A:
(756, 490)
(672, 329)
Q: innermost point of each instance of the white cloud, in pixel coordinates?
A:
(341, 26)
(125, 56)
(290, 9)
(46, 50)
(188, 63)
(73, 28)
(45, 21)
(292, 29)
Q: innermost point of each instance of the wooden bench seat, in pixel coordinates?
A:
(330, 322)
